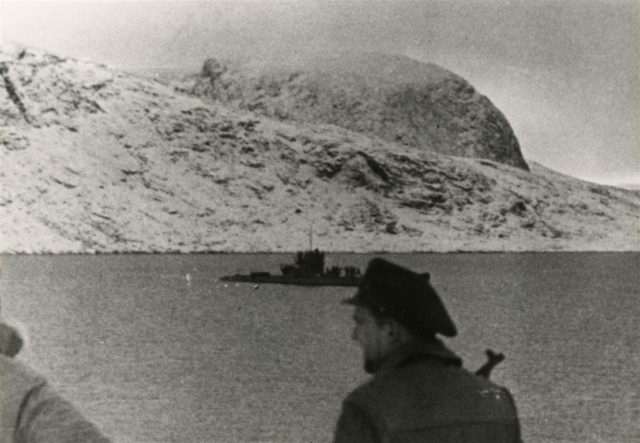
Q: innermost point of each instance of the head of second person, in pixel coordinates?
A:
(393, 306)
(11, 339)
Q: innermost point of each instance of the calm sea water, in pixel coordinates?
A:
(153, 348)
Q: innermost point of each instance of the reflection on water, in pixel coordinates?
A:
(155, 348)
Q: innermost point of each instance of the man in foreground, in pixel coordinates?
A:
(419, 391)
(30, 410)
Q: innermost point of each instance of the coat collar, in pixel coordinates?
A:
(414, 350)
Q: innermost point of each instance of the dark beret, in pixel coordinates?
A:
(406, 296)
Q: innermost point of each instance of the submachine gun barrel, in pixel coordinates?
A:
(493, 359)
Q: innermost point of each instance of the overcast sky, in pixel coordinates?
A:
(565, 73)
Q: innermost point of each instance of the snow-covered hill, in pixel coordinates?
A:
(96, 160)
(388, 96)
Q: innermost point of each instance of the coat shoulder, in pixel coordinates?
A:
(432, 390)
(14, 373)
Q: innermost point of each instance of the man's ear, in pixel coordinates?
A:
(395, 332)
(390, 327)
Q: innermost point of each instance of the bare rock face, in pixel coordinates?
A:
(96, 160)
(392, 97)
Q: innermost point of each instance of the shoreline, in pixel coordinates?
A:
(465, 252)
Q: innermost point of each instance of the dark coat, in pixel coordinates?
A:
(31, 411)
(422, 394)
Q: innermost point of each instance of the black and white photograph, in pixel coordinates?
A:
(305, 221)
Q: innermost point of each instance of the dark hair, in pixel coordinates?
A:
(380, 316)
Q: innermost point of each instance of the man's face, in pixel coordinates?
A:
(372, 336)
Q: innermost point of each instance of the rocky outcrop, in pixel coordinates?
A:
(392, 97)
(109, 162)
